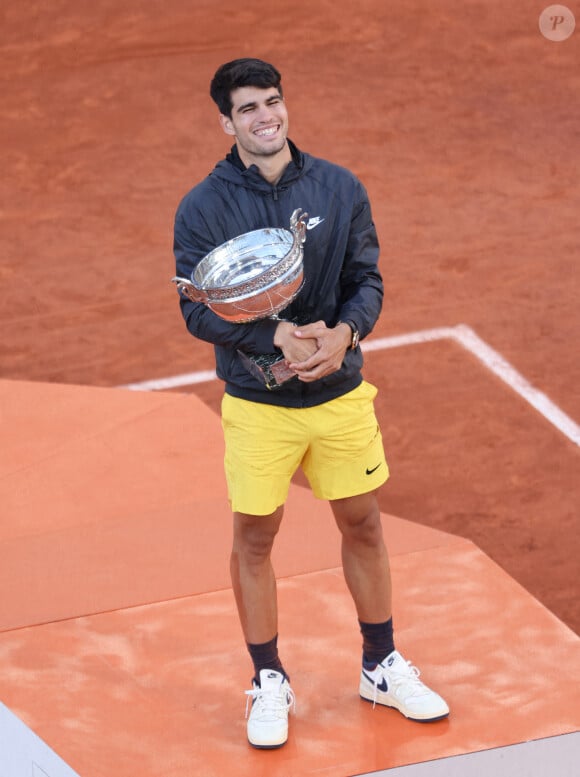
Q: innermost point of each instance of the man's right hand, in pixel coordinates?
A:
(295, 349)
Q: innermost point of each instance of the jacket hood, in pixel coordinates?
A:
(233, 170)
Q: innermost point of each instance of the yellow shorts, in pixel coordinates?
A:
(338, 445)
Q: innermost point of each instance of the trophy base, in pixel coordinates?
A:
(270, 368)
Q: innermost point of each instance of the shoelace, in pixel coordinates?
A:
(271, 702)
(409, 678)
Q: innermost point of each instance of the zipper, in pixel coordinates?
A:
(303, 393)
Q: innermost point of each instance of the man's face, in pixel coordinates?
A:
(259, 122)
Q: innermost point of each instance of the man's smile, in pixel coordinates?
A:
(264, 132)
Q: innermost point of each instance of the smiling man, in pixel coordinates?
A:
(322, 419)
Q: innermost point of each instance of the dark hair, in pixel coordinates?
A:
(241, 72)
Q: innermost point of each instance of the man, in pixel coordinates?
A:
(323, 418)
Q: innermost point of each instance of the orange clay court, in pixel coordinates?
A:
(115, 529)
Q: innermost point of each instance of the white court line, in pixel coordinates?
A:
(186, 379)
(24, 753)
(461, 334)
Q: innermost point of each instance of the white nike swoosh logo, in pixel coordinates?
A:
(314, 222)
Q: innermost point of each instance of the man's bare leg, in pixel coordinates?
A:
(254, 587)
(365, 559)
(252, 575)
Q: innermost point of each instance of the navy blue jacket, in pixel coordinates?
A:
(341, 276)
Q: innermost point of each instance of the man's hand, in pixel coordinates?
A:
(294, 349)
(331, 346)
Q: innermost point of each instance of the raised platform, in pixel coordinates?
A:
(120, 644)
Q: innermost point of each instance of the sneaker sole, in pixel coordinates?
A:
(409, 717)
(267, 747)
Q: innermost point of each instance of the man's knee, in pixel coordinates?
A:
(359, 518)
(254, 535)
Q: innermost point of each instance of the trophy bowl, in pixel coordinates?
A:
(253, 276)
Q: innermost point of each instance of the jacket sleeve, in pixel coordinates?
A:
(361, 281)
(192, 241)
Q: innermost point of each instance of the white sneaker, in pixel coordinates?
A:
(271, 701)
(395, 683)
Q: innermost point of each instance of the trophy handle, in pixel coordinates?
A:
(190, 291)
(298, 225)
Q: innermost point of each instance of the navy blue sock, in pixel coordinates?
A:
(378, 642)
(265, 656)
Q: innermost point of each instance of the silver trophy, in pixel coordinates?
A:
(253, 276)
